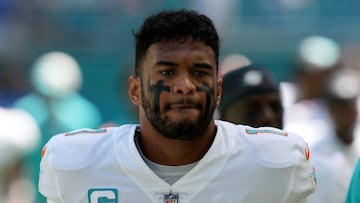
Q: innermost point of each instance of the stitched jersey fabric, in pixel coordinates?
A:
(243, 165)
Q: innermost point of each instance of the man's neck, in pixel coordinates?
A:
(172, 152)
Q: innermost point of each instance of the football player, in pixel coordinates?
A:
(251, 96)
(177, 152)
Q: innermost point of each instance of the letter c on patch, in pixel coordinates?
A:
(103, 195)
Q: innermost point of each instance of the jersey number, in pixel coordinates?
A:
(261, 131)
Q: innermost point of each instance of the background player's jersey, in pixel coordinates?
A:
(244, 164)
(353, 195)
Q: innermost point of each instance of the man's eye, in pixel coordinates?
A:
(167, 72)
(200, 73)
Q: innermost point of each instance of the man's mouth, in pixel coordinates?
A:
(183, 106)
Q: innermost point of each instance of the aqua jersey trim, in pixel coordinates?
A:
(262, 131)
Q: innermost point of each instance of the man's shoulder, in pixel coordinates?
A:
(270, 146)
(87, 136)
(277, 148)
(76, 149)
(261, 134)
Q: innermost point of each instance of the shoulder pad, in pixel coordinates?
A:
(75, 149)
(277, 148)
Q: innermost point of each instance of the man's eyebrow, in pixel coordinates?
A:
(203, 65)
(173, 64)
(166, 63)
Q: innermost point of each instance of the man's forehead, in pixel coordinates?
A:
(172, 45)
(175, 48)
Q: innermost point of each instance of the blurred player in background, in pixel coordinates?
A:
(55, 102)
(316, 58)
(178, 152)
(19, 136)
(353, 195)
(336, 154)
(251, 96)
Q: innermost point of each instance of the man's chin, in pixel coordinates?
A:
(182, 129)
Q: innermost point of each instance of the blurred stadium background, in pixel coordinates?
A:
(98, 35)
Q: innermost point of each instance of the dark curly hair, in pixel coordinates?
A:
(175, 25)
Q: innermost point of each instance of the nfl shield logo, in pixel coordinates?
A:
(171, 198)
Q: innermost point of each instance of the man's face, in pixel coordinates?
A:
(257, 110)
(179, 88)
(344, 115)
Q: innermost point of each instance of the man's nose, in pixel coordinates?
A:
(183, 84)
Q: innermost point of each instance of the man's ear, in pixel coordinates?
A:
(219, 91)
(134, 90)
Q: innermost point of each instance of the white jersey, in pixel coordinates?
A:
(243, 165)
(335, 163)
